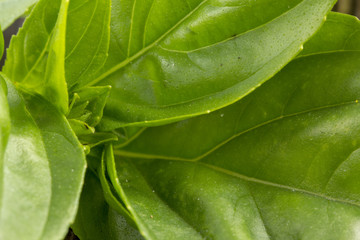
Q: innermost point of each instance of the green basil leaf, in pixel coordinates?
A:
(80, 127)
(87, 40)
(97, 138)
(67, 165)
(173, 60)
(109, 192)
(96, 220)
(87, 135)
(25, 178)
(10, 10)
(127, 134)
(154, 219)
(4, 129)
(89, 104)
(44, 167)
(282, 162)
(35, 60)
(340, 32)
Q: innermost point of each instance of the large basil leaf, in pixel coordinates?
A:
(10, 10)
(44, 168)
(25, 179)
(170, 60)
(281, 163)
(35, 60)
(96, 220)
(339, 34)
(67, 166)
(168, 227)
(87, 40)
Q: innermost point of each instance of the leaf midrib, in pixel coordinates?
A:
(227, 140)
(28, 74)
(144, 50)
(90, 21)
(277, 185)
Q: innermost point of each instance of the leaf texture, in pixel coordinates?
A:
(282, 163)
(67, 166)
(25, 178)
(43, 171)
(174, 60)
(96, 220)
(87, 40)
(36, 55)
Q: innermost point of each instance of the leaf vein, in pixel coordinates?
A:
(277, 185)
(139, 53)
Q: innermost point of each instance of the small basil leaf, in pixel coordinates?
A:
(10, 10)
(87, 135)
(90, 104)
(78, 110)
(174, 60)
(35, 60)
(80, 127)
(96, 220)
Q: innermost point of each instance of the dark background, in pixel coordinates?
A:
(345, 6)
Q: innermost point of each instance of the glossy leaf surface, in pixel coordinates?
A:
(88, 104)
(339, 33)
(281, 163)
(109, 191)
(172, 60)
(67, 166)
(87, 40)
(262, 106)
(10, 10)
(26, 178)
(35, 60)
(96, 220)
(40, 197)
